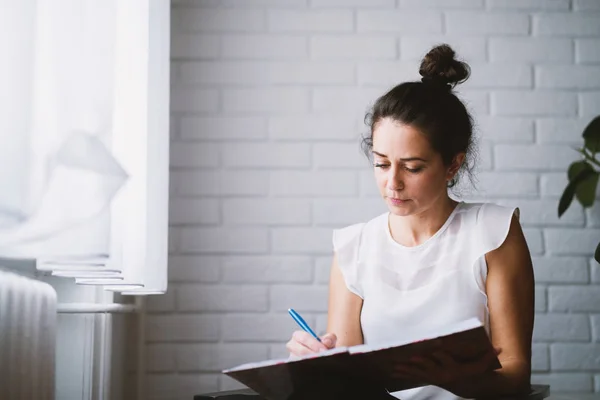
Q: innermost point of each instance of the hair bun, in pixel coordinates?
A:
(441, 68)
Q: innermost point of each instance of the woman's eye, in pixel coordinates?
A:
(379, 165)
(414, 170)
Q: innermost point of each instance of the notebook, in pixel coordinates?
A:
(365, 367)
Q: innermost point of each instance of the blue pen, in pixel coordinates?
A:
(302, 323)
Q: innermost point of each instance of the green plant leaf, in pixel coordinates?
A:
(597, 254)
(578, 172)
(586, 189)
(591, 135)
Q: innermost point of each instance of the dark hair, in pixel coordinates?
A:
(431, 107)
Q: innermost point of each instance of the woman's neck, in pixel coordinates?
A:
(415, 229)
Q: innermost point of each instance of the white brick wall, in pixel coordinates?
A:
(268, 98)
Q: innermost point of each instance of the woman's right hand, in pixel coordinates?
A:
(303, 343)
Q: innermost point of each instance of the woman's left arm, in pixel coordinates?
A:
(511, 297)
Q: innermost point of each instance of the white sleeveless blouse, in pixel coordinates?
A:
(423, 287)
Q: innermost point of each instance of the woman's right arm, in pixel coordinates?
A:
(343, 318)
(343, 321)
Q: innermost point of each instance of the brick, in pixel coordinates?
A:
(574, 298)
(500, 75)
(321, 324)
(174, 238)
(267, 269)
(554, 327)
(312, 128)
(339, 155)
(217, 357)
(544, 213)
(219, 20)
(534, 157)
(471, 49)
(162, 303)
(567, 77)
(220, 183)
(230, 240)
(561, 269)
(300, 298)
(267, 155)
(485, 23)
(160, 357)
(534, 240)
(301, 240)
(255, 211)
(194, 100)
(246, 3)
(322, 269)
(595, 271)
(259, 46)
(597, 383)
(576, 382)
(402, 22)
(353, 3)
(223, 128)
(313, 183)
(195, 46)
(539, 357)
(529, 4)
(571, 241)
(574, 356)
(586, 5)
(441, 4)
(486, 157)
(539, 103)
(310, 21)
(184, 154)
(225, 72)
(169, 386)
(260, 328)
(182, 328)
(596, 328)
(368, 186)
(386, 73)
(560, 130)
(292, 100)
(476, 102)
(566, 24)
(221, 298)
(505, 129)
(553, 184)
(352, 101)
(352, 47)
(587, 50)
(336, 212)
(188, 211)
(312, 72)
(541, 304)
(194, 268)
(507, 49)
(508, 184)
(589, 104)
(593, 215)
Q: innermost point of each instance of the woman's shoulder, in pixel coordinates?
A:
(487, 212)
(353, 233)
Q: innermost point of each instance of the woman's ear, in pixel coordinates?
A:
(455, 166)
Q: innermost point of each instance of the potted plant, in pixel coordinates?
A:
(584, 174)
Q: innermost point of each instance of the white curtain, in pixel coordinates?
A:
(90, 194)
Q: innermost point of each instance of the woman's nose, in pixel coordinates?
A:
(395, 181)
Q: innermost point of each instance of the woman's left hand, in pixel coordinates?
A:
(441, 369)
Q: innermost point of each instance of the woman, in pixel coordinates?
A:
(431, 260)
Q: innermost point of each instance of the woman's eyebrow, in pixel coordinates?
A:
(402, 159)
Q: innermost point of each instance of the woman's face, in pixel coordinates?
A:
(410, 175)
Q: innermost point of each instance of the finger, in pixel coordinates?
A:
(298, 349)
(497, 350)
(329, 340)
(308, 341)
(423, 363)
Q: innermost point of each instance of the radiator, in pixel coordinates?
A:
(27, 338)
